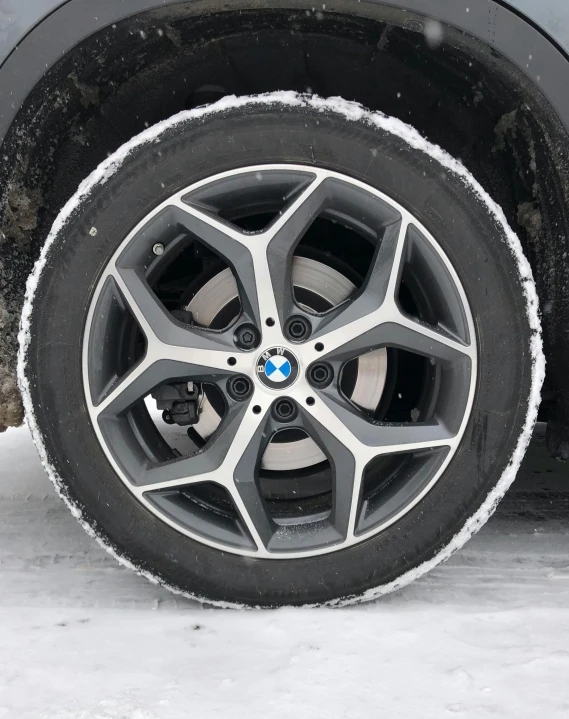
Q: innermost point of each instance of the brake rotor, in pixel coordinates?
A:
(332, 288)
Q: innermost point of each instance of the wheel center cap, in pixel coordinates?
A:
(277, 368)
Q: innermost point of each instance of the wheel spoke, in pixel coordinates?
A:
(386, 438)
(344, 322)
(207, 347)
(367, 439)
(139, 381)
(375, 300)
(374, 319)
(245, 487)
(207, 465)
(364, 440)
(402, 332)
(414, 336)
(231, 458)
(233, 245)
(282, 237)
(261, 262)
(346, 469)
(173, 351)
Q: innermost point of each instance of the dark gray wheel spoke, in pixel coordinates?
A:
(247, 493)
(343, 464)
(261, 261)
(386, 438)
(375, 302)
(141, 379)
(243, 484)
(364, 441)
(380, 284)
(414, 336)
(405, 333)
(233, 245)
(284, 234)
(158, 325)
(173, 351)
(205, 464)
(230, 459)
(374, 319)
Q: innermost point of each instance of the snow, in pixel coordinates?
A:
(484, 635)
(353, 112)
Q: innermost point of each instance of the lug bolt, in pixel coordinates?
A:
(298, 329)
(284, 410)
(158, 249)
(320, 374)
(239, 387)
(247, 337)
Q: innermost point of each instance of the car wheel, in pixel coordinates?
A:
(281, 351)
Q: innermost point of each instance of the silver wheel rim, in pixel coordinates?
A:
(369, 321)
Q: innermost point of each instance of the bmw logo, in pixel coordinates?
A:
(277, 368)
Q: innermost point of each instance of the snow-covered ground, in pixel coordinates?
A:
(484, 635)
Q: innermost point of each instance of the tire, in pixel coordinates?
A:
(446, 203)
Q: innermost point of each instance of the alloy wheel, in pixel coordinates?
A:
(286, 359)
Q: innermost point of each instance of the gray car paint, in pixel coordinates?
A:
(34, 34)
(19, 17)
(551, 15)
(527, 47)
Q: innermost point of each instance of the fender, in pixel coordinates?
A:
(537, 45)
(37, 34)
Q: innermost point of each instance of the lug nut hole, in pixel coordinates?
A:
(239, 387)
(247, 337)
(320, 374)
(284, 410)
(298, 329)
(310, 401)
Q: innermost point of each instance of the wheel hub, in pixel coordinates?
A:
(277, 368)
(326, 284)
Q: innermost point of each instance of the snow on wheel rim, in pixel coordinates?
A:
(353, 112)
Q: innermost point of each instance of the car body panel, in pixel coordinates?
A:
(552, 16)
(18, 18)
(71, 22)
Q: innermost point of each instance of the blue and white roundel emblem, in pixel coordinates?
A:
(277, 368)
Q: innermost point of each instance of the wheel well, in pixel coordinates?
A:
(455, 90)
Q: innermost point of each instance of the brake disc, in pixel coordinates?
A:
(333, 288)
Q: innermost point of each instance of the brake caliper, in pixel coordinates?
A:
(179, 402)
